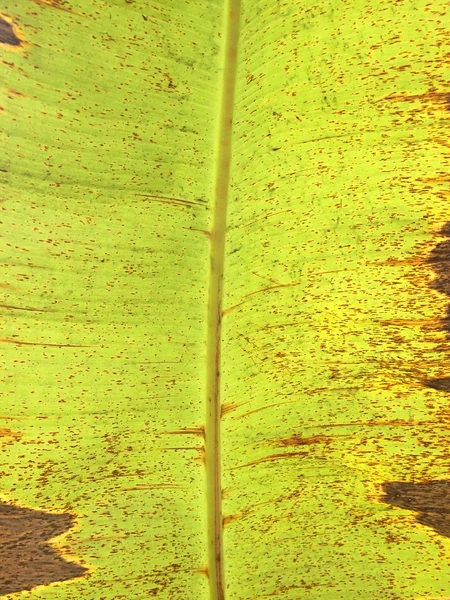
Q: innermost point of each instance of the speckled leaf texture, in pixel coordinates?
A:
(332, 346)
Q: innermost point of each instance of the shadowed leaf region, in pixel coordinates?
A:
(431, 500)
(26, 558)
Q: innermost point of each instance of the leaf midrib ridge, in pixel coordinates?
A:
(221, 187)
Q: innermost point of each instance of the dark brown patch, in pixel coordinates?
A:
(442, 384)
(431, 500)
(7, 35)
(439, 259)
(26, 559)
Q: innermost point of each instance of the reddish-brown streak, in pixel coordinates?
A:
(299, 440)
(189, 430)
(271, 458)
(21, 343)
(58, 4)
(166, 199)
(11, 307)
(227, 407)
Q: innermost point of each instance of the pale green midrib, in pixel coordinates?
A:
(212, 429)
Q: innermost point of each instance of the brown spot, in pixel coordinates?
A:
(26, 559)
(8, 34)
(15, 93)
(431, 500)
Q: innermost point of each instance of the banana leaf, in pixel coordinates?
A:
(224, 299)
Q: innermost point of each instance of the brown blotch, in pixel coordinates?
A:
(26, 559)
(7, 34)
(431, 500)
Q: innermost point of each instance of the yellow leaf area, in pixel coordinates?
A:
(334, 353)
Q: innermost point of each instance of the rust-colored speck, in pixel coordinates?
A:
(431, 500)
(27, 560)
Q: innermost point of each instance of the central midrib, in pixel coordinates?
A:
(212, 429)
